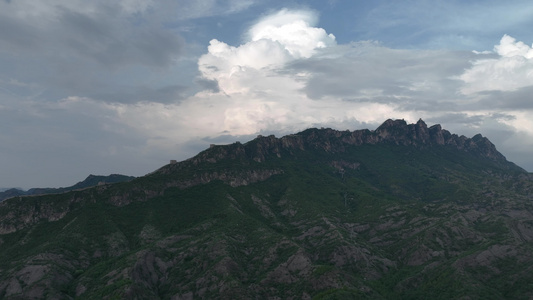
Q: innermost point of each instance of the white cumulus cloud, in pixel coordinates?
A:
(272, 42)
(294, 30)
(510, 70)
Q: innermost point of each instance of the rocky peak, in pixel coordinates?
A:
(396, 132)
(399, 132)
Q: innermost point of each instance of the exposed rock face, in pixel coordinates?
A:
(231, 178)
(396, 132)
(21, 214)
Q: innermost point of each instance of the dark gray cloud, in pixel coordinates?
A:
(16, 35)
(104, 36)
(370, 72)
(519, 99)
(165, 94)
(70, 51)
(114, 42)
(209, 85)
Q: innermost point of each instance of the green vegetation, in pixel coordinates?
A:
(370, 221)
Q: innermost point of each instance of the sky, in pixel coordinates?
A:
(103, 87)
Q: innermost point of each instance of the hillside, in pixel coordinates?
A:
(91, 180)
(400, 212)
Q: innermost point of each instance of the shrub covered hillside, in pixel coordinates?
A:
(400, 212)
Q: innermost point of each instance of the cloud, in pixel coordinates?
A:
(64, 141)
(103, 39)
(99, 31)
(272, 42)
(87, 49)
(444, 24)
(112, 43)
(121, 51)
(294, 31)
(511, 70)
(207, 8)
(369, 72)
(136, 6)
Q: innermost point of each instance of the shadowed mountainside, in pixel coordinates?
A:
(90, 181)
(400, 212)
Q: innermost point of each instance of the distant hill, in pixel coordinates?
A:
(91, 180)
(5, 189)
(400, 212)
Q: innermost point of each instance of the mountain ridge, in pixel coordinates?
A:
(396, 132)
(90, 181)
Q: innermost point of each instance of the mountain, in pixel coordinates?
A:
(5, 189)
(91, 180)
(400, 212)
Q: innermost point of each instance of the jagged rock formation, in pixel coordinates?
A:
(396, 132)
(403, 211)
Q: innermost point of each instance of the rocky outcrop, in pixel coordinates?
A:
(229, 177)
(18, 213)
(396, 132)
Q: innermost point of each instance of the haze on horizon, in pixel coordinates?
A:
(99, 88)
